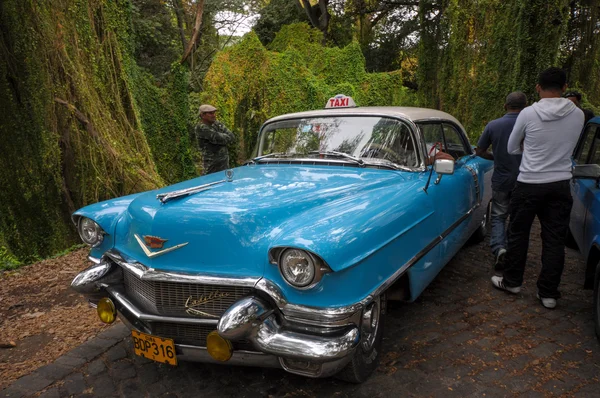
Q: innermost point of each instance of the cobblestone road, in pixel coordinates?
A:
(461, 338)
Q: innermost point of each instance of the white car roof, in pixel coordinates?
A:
(405, 112)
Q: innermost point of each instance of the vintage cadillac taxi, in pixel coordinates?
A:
(288, 261)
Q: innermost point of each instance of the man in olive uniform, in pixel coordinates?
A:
(213, 138)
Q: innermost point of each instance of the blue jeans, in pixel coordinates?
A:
(499, 214)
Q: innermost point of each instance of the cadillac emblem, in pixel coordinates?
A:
(193, 305)
(154, 242)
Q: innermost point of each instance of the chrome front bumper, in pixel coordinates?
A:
(305, 349)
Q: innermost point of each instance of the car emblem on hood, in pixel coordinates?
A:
(156, 242)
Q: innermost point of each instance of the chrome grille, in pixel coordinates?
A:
(169, 298)
(191, 334)
(181, 333)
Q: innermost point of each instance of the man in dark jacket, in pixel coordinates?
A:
(213, 138)
(506, 170)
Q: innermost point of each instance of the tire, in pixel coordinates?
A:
(368, 352)
(597, 304)
(481, 231)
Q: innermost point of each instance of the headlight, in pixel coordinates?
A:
(297, 267)
(90, 232)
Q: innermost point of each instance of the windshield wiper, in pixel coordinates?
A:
(270, 155)
(387, 163)
(338, 154)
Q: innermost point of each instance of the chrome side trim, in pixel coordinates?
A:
(392, 279)
(151, 274)
(94, 259)
(120, 298)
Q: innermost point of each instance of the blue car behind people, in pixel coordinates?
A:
(584, 226)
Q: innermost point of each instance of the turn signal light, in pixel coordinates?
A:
(106, 310)
(218, 347)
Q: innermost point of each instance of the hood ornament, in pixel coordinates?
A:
(229, 175)
(155, 240)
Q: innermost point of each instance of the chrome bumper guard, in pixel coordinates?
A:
(251, 319)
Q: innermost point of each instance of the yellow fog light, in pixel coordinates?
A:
(106, 310)
(218, 347)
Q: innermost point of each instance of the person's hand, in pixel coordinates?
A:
(439, 155)
(443, 155)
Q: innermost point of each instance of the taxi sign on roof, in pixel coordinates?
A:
(340, 101)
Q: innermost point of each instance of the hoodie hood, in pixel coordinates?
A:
(549, 109)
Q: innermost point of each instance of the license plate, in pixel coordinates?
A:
(153, 347)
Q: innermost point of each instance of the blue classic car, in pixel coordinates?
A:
(585, 214)
(288, 260)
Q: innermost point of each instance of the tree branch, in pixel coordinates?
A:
(310, 13)
(180, 18)
(195, 32)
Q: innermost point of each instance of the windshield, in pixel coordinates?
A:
(369, 140)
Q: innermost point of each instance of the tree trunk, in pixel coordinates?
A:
(180, 18)
(196, 32)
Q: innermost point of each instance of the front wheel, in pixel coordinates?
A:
(368, 352)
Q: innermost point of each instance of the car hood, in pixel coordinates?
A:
(228, 229)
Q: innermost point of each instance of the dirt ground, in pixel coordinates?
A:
(41, 318)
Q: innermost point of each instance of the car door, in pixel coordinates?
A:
(584, 191)
(453, 196)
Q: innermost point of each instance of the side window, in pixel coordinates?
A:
(455, 145)
(586, 142)
(432, 133)
(595, 152)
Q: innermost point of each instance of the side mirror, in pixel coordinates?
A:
(444, 166)
(587, 171)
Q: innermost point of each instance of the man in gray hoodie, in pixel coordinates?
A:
(546, 134)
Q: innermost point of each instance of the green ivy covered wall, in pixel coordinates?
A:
(79, 120)
(250, 83)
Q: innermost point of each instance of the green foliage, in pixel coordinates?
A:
(274, 16)
(250, 84)
(7, 260)
(156, 40)
(70, 129)
(164, 115)
(492, 47)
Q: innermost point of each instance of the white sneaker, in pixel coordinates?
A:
(498, 282)
(547, 302)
